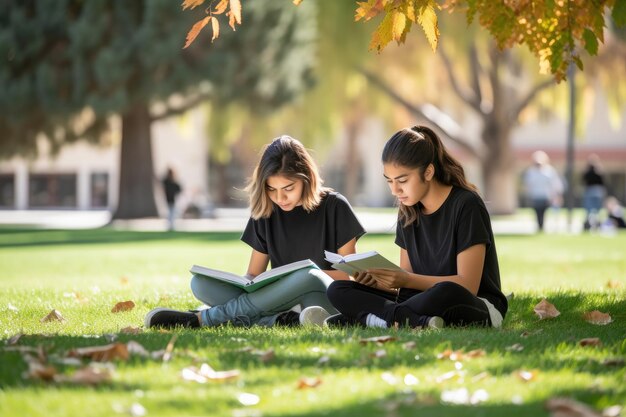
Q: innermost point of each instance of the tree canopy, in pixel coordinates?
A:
(555, 31)
(70, 65)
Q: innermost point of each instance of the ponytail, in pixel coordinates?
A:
(416, 148)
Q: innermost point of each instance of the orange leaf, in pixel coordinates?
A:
(597, 317)
(235, 10)
(231, 20)
(195, 30)
(590, 341)
(546, 310)
(377, 339)
(191, 4)
(567, 407)
(54, 315)
(613, 283)
(123, 306)
(221, 7)
(297, 2)
(102, 353)
(398, 24)
(368, 9)
(309, 382)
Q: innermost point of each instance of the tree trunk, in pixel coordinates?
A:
(136, 188)
(352, 166)
(498, 168)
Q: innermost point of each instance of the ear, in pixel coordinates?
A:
(430, 172)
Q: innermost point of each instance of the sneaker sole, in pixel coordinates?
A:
(436, 322)
(151, 313)
(313, 316)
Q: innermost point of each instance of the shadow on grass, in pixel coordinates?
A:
(10, 237)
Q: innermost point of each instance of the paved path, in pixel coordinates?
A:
(229, 220)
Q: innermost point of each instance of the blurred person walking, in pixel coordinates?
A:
(543, 186)
(172, 188)
(594, 193)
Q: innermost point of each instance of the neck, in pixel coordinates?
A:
(437, 194)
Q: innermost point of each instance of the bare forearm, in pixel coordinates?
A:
(337, 275)
(424, 282)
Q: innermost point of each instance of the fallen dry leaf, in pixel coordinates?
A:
(380, 353)
(613, 283)
(527, 376)
(567, 407)
(377, 339)
(531, 333)
(124, 280)
(89, 375)
(54, 315)
(14, 339)
(123, 306)
(38, 369)
(409, 345)
(546, 310)
(206, 373)
(597, 317)
(459, 355)
(517, 347)
(614, 362)
(102, 353)
(590, 341)
(309, 382)
(131, 330)
(169, 349)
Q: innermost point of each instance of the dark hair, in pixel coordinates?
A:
(284, 156)
(416, 148)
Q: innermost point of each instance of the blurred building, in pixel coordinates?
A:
(85, 177)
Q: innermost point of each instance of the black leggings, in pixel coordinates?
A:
(448, 300)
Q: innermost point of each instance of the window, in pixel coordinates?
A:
(99, 189)
(52, 190)
(7, 190)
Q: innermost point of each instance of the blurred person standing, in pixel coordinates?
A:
(594, 193)
(171, 188)
(543, 186)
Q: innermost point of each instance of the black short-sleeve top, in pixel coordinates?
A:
(434, 241)
(290, 236)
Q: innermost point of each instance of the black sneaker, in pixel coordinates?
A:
(339, 320)
(168, 318)
(288, 318)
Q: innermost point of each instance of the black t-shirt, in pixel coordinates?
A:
(434, 242)
(289, 236)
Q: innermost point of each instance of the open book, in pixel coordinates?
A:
(358, 262)
(260, 281)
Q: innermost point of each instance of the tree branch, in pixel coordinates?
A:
(530, 97)
(441, 122)
(169, 112)
(466, 96)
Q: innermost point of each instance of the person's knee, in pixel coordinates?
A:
(196, 286)
(447, 288)
(337, 290)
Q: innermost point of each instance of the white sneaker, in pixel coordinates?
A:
(313, 316)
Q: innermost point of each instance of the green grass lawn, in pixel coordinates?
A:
(83, 274)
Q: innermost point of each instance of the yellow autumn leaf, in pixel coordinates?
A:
(195, 30)
(398, 24)
(427, 19)
(297, 2)
(383, 34)
(368, 9)
(191, 4)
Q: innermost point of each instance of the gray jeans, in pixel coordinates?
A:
(228, 303)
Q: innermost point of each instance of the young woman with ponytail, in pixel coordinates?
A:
(450, 268)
